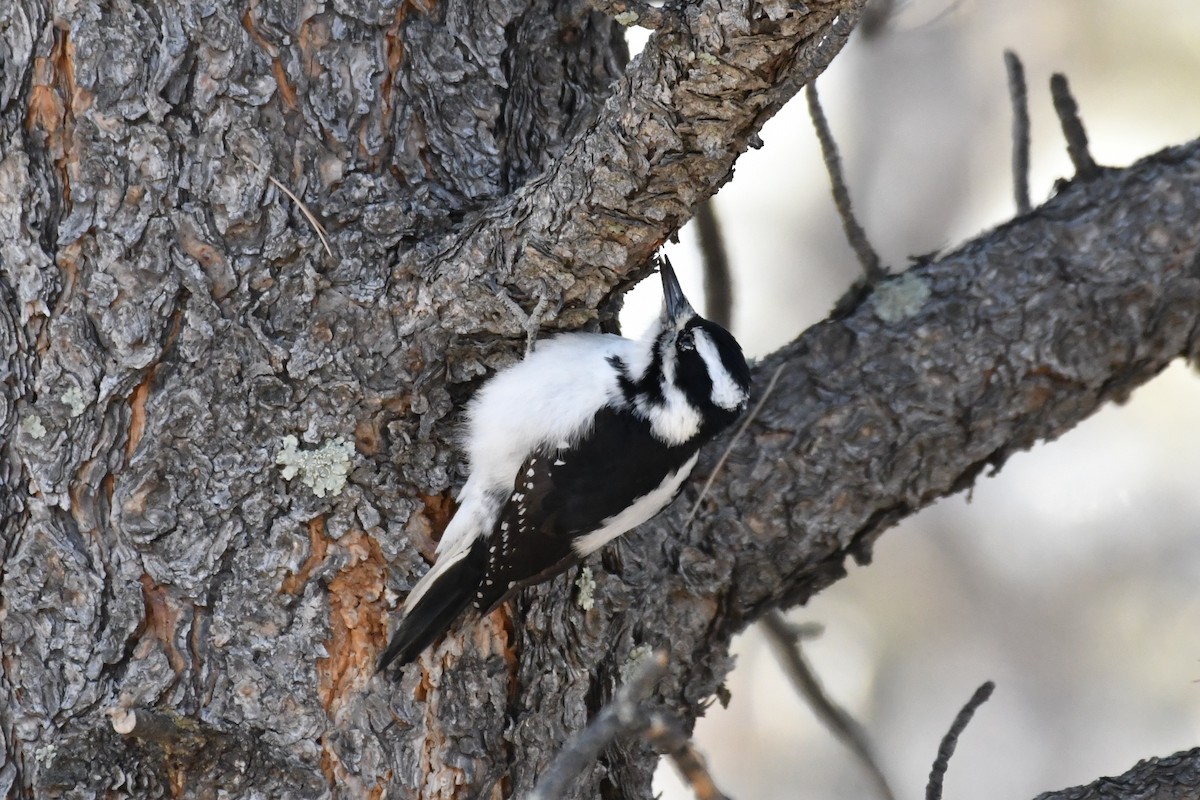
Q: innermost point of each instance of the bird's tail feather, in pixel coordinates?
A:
(432, 608)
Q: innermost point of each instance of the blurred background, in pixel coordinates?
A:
(1072, 578)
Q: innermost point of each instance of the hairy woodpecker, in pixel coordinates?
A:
(588, 437)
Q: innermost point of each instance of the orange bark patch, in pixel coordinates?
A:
(67, 259)
(287, 92)
(367, 436)
(439, 509)
(54, 102)
(426, 527)
(137, 414)
(394, 51)
(161, 620)
(357, 630)
(317, 550)
(349, 784)
(211, 260)
(46, 108)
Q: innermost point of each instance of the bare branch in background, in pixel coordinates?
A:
(1019, 95)
(623, 714)
(667, 735)
(718, 283)
(619, 715)
(841, 195)
(933, 791)
(1072, 126)
(785, 640)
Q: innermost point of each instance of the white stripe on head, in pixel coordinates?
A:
(726, 393)
(674, 420)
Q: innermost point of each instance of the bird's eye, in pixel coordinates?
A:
(686, 342)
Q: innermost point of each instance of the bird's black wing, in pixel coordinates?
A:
(563, 493)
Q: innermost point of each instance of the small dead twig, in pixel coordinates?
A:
(785, 640)
(718, 284)
(1067, 109)
(1019, 96)
(619, 715)
(147, 725)
(933, 790)
(308, 215)
(668, 737)
(841, 195)
(716, 470)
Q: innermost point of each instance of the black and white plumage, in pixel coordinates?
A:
(588, 437)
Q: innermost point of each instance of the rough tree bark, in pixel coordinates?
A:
(169, 317)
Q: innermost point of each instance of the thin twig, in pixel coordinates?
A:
(1072, 126)
(712, 476)
(1019, 96)
(620, 714)
(841, 195)
(666, 734)
(786, 643)
(933, 791)
(308, 215)
(718, 283)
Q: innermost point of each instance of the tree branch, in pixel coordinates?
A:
(933, 790)
(785, 640)
(1019, 96)
(873, 270)
(1067, 109)
(168, 331)
(666, 139)
(718, 282)
(620, 715)
(932, 378)
(1173, 777)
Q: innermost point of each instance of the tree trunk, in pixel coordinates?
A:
(227, 452)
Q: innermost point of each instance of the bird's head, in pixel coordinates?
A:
(694, 362)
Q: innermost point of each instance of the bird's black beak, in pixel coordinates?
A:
(678, 308)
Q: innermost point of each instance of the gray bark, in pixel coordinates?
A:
(168, 317)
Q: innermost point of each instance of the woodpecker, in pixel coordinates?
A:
(591, 435)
